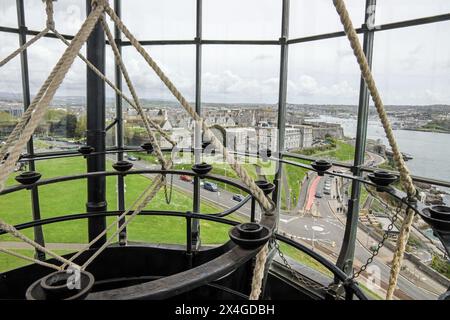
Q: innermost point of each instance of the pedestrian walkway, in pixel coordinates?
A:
(312, 194)
(52, 246)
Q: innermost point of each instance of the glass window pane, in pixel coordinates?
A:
(411, 67)
(178, 62)
(240, 74)
(69, 15)
(11, 100)
(8, 13)
(240, 92)
(234, 19)
(322, 95)
(160, 20)
(392, 11)
(316, 17)
(64, 124)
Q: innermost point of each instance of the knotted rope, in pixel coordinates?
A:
(49, 11)
(405, 176)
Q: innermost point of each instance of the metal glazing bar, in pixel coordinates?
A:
(119, 126)
(36, 211)
(198, 131)
(346, 255)
(282, 91)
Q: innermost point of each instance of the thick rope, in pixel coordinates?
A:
(24, 47)
(405, 176)
(21, 256)
(61, 68)
(49, 12)
(124, 71)
(16, 233)
(258, 273)
(240, 171)
(116, 89)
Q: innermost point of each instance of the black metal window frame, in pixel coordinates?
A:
(346, 257)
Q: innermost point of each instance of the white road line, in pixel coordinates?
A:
(288, 220)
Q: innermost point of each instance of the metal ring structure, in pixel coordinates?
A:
(181, 282)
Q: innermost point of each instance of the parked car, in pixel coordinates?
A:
(185, 178)
(238, 197)
(201, 183)
(210, 186)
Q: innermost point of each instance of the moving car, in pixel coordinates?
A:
(132, 158)
(210, 186)
(318, 194)
(185, 178)
(238, 197)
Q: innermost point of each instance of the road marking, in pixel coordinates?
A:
(288, 220)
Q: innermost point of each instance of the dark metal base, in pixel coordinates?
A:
(120, 267)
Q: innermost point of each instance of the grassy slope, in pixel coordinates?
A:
(63, 198)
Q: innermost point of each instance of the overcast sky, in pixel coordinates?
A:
(411, 66)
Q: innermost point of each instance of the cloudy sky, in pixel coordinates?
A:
(411, 66)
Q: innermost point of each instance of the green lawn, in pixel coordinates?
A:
(342, 152)
(64, 198)
(294, 177)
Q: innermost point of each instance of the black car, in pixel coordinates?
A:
(238, 197)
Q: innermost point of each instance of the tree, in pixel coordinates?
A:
(6, 117)
(55, 115)
(71, 125)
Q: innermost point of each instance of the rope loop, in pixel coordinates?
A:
(95, 3)
(49, 11)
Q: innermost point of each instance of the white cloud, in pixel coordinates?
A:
(411, 65)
